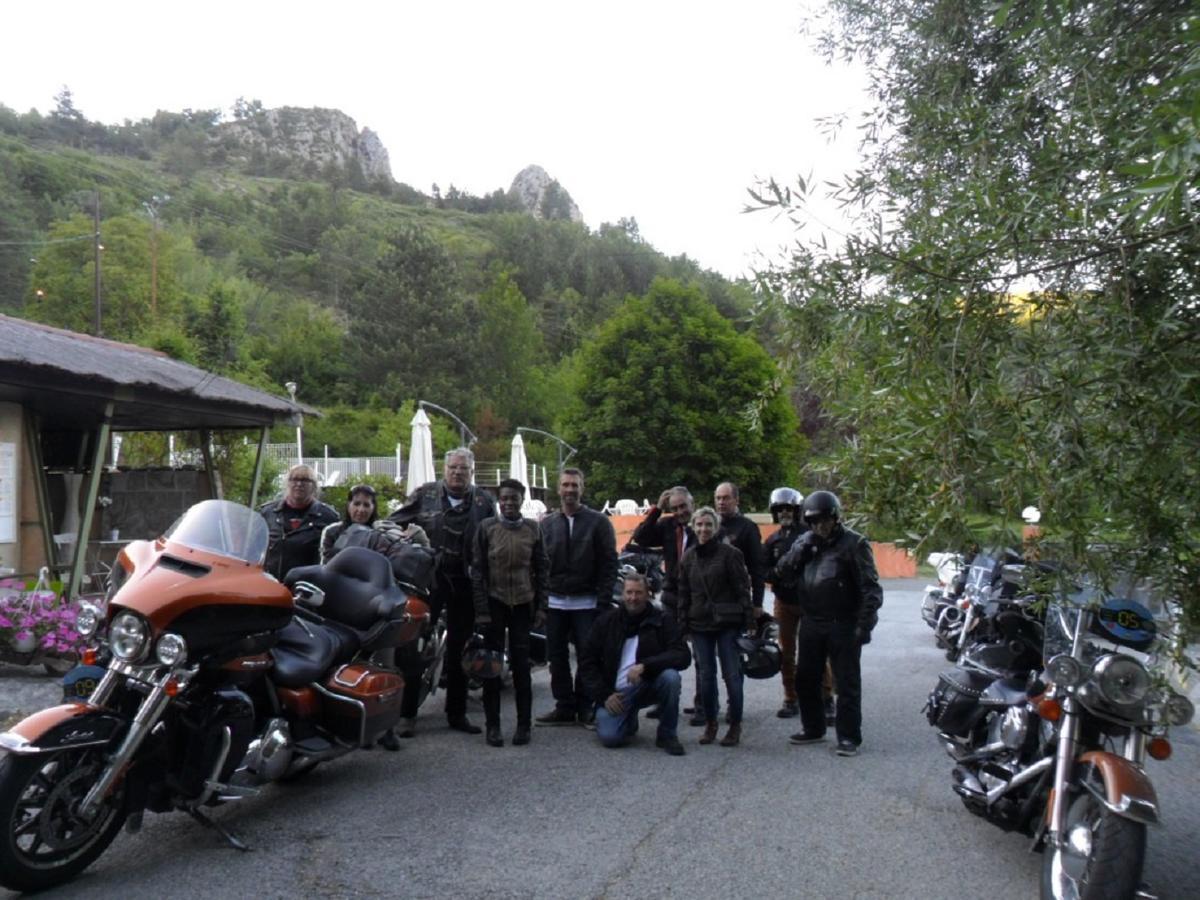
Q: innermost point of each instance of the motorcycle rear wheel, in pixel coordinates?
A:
(44, 842)
(1106, 864)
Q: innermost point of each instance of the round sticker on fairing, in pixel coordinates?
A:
(1126, 621)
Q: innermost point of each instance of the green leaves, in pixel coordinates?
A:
(1038, 139)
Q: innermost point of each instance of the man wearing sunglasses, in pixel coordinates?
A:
(295, 522)
(840, 596)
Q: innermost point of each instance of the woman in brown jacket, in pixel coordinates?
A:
(714, 608)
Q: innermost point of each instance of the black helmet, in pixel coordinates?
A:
(480, 662)
(821, 503)
(761, 656)
(782, 497)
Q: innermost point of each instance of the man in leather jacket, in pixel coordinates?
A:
(450, 510)
(632, 659)
(295, 523)
(582, 549)
(840, 596)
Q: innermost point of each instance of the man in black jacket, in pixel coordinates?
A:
(631, 660)
(840, 596)
(738, 530)
(450, 511)
(665, 529)
(582, 548)
(295, 522)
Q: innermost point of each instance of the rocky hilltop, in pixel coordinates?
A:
(543, 197)
(320, 136)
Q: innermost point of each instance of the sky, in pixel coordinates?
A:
(661, 111)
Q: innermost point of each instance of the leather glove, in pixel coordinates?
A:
(862, 635)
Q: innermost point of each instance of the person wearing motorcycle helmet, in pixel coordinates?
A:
(785, 511)
(840, 596)
(510, 579)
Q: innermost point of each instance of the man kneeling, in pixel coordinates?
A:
(632, 659)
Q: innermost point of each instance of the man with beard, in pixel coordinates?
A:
(582, 549)
(632, 659)
(295, 523)
(450, 511)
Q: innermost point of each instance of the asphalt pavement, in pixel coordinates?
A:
(448, 816)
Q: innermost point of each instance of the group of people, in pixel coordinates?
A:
(504, 577)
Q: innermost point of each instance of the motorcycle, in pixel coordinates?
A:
(981, 585)
(219, 679)
(940, 604)
(1062, 756)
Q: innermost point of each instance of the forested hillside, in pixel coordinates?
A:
(270, 268)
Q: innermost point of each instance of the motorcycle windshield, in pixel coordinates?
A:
(1129, 615)
(219, 526)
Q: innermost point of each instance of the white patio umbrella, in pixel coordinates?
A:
(518, 466)
(420, 454)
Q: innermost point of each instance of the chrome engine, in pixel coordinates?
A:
(269, 755)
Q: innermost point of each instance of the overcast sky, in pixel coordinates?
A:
(659, 110)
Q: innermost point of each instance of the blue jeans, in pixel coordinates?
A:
(663, 691)
(564, 627)
(707, 647)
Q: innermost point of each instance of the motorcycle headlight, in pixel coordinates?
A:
(1178, 710)
(87, 620)
(128, 637)
(1065, 670)
(1121, 681)
(171, 649)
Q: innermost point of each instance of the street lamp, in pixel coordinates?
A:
(291, 389)
(463, 430)
(562, 460)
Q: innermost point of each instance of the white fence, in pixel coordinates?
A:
(332, 470)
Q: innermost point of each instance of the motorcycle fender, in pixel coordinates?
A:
(59, 727)
(1120, 785)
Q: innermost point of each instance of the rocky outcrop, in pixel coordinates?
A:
(320, 136)
(543, 197)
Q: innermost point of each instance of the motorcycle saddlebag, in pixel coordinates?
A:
(413, 567)
(361, 702)
(953, 706)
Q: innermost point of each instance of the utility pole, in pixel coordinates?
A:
(96, 251)
(151, 208)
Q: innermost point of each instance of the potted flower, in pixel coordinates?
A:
(37, 623)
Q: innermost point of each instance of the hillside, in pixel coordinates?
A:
(277, 247)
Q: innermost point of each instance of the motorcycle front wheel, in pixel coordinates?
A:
(1101, 857)
(45, 841)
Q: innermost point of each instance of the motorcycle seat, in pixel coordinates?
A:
(307, 650)
(1004, 692)
(359, 587)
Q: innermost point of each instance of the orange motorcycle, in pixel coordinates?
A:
(219, 680)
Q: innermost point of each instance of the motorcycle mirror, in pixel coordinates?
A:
(1013, 574)
(308, 594)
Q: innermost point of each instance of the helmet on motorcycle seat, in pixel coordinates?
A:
(783, 497)
(761, 657)
(821, 504)
(480, 662)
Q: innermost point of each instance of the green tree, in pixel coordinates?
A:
(412, 332)
(669, 393)
(509, 329)
(1013, 149)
